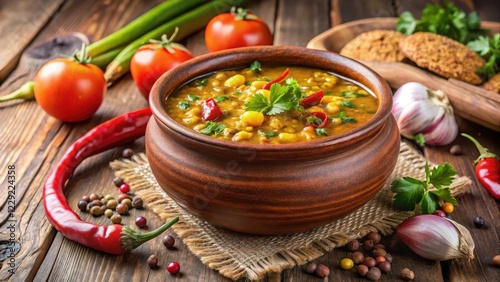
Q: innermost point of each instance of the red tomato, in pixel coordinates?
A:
(236, 29)
(153, 60)
(68, 90)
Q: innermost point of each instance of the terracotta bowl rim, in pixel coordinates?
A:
(214, 60)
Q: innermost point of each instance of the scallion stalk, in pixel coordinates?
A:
(187, 23)
(144, 23)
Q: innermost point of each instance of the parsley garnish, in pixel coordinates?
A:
(192, 97)
(183, 105)
(237, 91)
(213, 128)
(351, 94)
(347, 103)
(321, 131)
(255, 66)
(488, 49)
(412, 194)
(202, 82)
(268, 134)
(447, 20)
(344, 118)
(282, 98)
(221, 98)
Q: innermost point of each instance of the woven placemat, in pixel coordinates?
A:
(251, 257)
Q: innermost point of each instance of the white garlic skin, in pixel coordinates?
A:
(420, 110)
(436, 238)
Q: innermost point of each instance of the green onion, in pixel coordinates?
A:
(25, 92)
(104, 59)
(187, 23)
(144, 23)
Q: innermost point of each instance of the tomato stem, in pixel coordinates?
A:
(25, 92)
(168, 43)
(241, 14)
(83, 58)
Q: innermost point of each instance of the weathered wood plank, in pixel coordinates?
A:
(345, 11)
(20, 21)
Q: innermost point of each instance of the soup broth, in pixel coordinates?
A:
(267, 105)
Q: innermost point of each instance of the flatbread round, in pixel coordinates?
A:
(375, 45)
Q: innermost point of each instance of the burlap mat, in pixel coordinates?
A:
(252, 257)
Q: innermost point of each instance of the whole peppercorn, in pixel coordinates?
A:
(496, 260)
(362, 270)
(82, 205)
(369, 261)
(153, 261)
(479, 221)
(388, 258)
(368, 245)
(118, 181)
(122, 209)
(379, 246)
(127, 153)
(94, 197)
(108, 213)
(373, 274)
(127, 202)
(141, 222)
(124, 188)
(353, 245)
(384, 266)
(137, 203)
(108, 197)
(173, 267)
(311, 267)
(86, 199)
(322, 271)
(97, 202)
(407, 274)
(346, 263)
(116, 219)
(168, 241)
(96, 211)
(379, 252)
(112, 204)
(103, 201)
(440, 213)
(379, 259)
(358, 257)
(89, 206)
(122, 197)
(375, 237)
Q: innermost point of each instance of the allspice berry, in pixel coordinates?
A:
(353, 245)
(375, 237)
(368, 245)
(322, 271)
(358, 257)
(407, 274)
(362, 270)
(311, 267)
(373, 274)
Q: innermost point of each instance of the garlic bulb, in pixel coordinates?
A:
(436, 238)
(421, 111)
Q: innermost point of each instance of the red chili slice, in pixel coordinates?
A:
(280, 78)
(320, 119)
(210, 110)
(312, 99)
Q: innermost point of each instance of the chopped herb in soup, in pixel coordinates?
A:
(271, 105)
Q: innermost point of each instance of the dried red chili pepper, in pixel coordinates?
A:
(312, 99)
(113, 239)
(317, 119)
(487, 169)
(210, 110)
(280, 78)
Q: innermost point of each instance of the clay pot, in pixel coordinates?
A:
(271, 189)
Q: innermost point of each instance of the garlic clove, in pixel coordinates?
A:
(416, 117)
(442, 132)
(436, 238)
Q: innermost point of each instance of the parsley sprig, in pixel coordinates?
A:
(447, 20)
(413, 194)
(488, 49)
(282, 98)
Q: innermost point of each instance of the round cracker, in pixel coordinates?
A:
(375, 45)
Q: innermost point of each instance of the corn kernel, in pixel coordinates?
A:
(242, 135)
(264, 92)
(336, 121)
(194, 112)
(235, 81)
(252, 118)
(288, 137)
(332, 108)
(315, 109)
(258, 84)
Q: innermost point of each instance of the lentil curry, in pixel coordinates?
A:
(271, 104)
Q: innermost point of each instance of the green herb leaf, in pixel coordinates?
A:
(213, 128)
(237, 91)
(183, 105)
(192, 97)
(255, 66)
(347, 103)
(344, 118)
(282, 98)
(409, 192)
(406, 23)
(351, 94)
(201, 82)
(412, 194)
(321, 131)
(268, 134)
(420, 139)
(221, 98)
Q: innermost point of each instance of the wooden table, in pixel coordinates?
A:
(32, 142)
